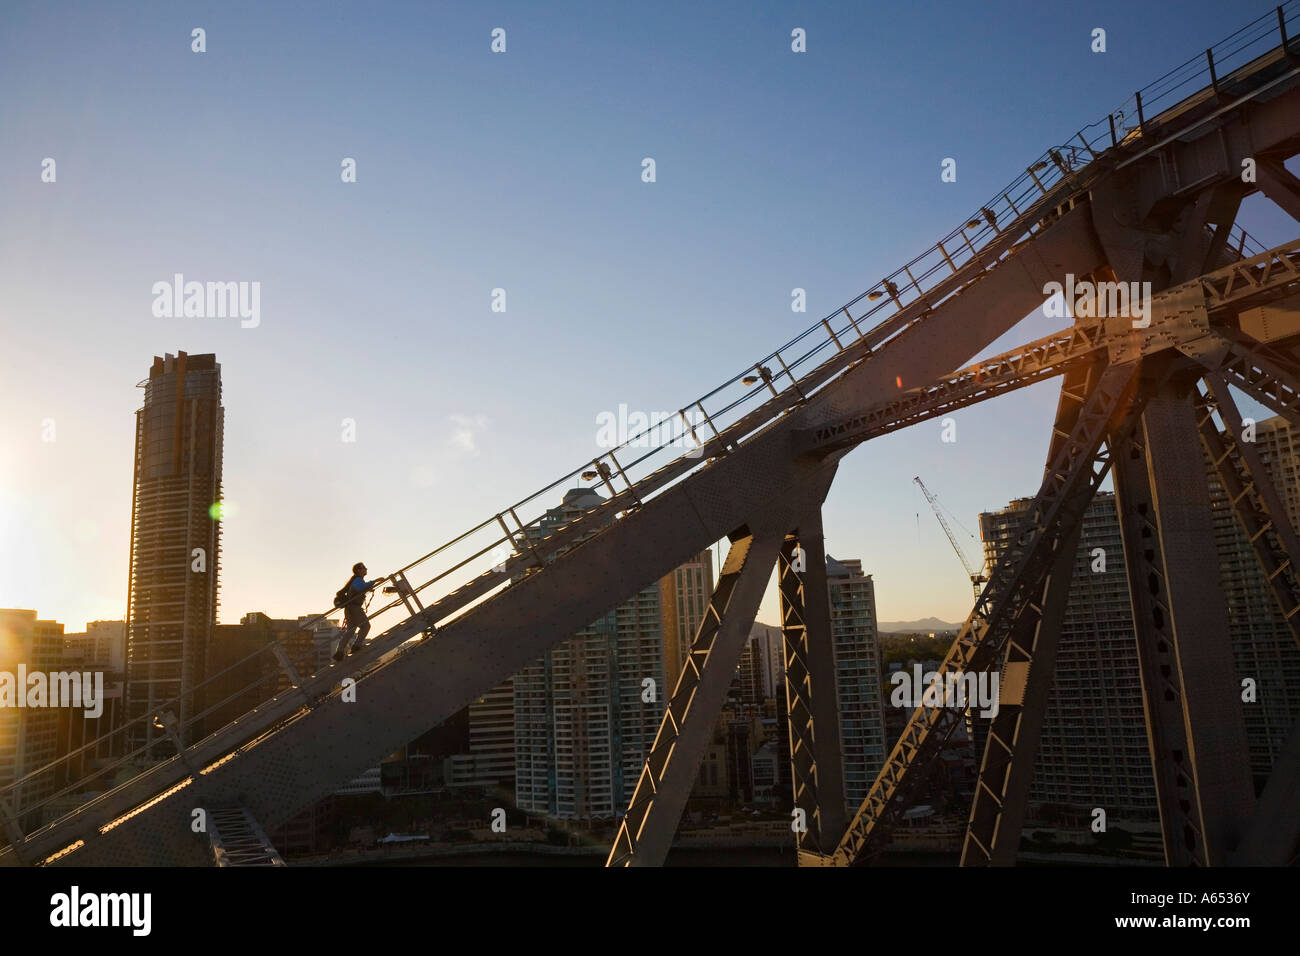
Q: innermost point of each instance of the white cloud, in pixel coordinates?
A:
(465, 431)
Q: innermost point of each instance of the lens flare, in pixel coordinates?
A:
(222, 510)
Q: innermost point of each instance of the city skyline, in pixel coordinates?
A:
(588, 254)
(482, 307)
(769, 607)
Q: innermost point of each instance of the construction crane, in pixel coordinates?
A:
(762, 478)
(977, 578)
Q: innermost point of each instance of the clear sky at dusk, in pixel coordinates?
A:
(519, 171)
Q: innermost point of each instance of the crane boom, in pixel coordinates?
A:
(976, 578)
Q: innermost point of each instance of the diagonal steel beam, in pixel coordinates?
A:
(14, 832)
(1002, 790)
(1266, 374)
(1272, 837)
(480, 649)
(1071, 480)
(1249, 277)
(1252, 495)
(1280, 185)
(1016, 368)
(670, 770)
(1223, 291)
(1193, 245)
(1223, 217)
(647, 829)
(816, 759)
(1273, 831)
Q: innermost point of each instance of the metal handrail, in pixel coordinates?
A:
(957, 253)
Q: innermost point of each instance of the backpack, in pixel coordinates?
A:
(344, 595)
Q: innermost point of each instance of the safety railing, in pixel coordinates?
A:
(1207, 76)
(521, 537)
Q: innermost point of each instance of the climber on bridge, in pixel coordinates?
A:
(351, 597)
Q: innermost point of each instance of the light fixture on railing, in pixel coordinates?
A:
(589, 476)
(1038, 166)
(973, 224)
(749, 380)
(873, 296)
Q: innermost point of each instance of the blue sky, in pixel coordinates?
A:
(519, 171)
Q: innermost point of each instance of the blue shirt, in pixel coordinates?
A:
(358, 586)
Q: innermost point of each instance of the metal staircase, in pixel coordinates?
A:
(755, 459)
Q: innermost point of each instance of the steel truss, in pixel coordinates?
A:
(237, 840)
(1193, 333)
(1137, 402)
(647, 828)
(1008, 609)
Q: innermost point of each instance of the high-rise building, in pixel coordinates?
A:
(1263, 648)
(857, 676)
(613, 659)
(583, 725)
(751, 673)
(102, 646)
(684, 594)
(242, 673)
(490, 763)
(766, 765)
(1093, 750)
(175, 542)
(29, 736)
(744, 735)
(94, 741)
(771, 656)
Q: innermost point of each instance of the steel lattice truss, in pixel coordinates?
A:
(237, 840)
(1006, 626)
(1146, 401)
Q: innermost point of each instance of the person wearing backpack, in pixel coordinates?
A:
(351, 597)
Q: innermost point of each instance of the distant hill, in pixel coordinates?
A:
(923, 626)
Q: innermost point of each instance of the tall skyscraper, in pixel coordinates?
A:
(28, 735)
(771, 654)
(751, 673)
(582, 724)
(175, 541)
(490, 762)
(1093, 751)
(684, 594)
(857, 676)
(1263, 648)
